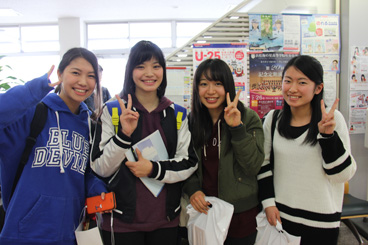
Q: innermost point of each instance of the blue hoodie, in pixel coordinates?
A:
(50, 195)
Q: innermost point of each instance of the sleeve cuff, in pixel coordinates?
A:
(325, 136)
(268, 203)
(154, 171)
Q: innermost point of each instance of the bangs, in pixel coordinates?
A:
(146, 54)
(213, 74)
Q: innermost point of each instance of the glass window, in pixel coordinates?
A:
(187, 30)
(28, 67)
(108, 36)
(157, 32)
(113, 74)
(40, 38)
(9, 40)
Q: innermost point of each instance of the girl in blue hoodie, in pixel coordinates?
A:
(50, 195)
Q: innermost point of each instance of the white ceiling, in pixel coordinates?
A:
(49, 11)
(34, 11)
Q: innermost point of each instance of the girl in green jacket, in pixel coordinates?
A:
(228, 139)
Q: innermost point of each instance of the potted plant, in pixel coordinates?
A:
(7, 81)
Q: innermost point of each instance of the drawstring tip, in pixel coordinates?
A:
(62, 171)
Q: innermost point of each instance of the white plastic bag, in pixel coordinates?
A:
(87, 237)
(211, 228)
(273, 235)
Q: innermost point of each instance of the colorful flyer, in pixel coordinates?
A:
(265, 72)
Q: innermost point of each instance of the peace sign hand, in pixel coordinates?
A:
(327, 123)
(48, 77)
(232, 114)
(128, 117)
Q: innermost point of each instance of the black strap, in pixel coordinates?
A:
(37, 124)
(273, 126)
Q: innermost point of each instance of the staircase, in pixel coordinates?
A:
(233, 27)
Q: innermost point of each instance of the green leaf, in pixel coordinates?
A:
(4, 86)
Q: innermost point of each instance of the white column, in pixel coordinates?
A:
(71, 34)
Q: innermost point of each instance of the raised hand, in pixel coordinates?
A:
(48, 77)
(232, 114)
(128, 117)
(140, 168)
(327, 123)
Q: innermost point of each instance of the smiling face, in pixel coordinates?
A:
(297, 89)
(78, 82)
(211, 94)
(148, 76)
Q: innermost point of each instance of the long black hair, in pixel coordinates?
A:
(73, 54)
(200, 120)
(141, 52)
(312, 68)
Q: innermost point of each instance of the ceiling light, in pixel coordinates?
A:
(8, 13)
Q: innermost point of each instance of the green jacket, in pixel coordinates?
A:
(239, 163)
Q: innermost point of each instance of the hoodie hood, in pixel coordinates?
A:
(163, 104)
(54, 102)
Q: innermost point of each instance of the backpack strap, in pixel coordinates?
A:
(273, 127)
(115, 111)
(37, 124)
(180, 115)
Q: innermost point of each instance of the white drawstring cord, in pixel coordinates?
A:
(219, 141)
(60, 144)
(89, 127)
(219, 138)
(112, 228)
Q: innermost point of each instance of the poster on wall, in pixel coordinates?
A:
(292, 32)
(274, 32)
(265, 72)
(329, 87)
(178, 85)
(358, 109)
(358, 68)
(320, 38)
(320, 34)
(358, 72)
(235, 55)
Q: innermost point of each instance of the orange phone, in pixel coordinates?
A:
(96, 204)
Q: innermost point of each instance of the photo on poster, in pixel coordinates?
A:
(266, 32)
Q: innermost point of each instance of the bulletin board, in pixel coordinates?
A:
(274, 39)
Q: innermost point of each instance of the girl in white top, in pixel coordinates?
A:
(304, 187)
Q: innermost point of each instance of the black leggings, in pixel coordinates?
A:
(165, 236)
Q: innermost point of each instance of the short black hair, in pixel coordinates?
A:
(141, 52)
